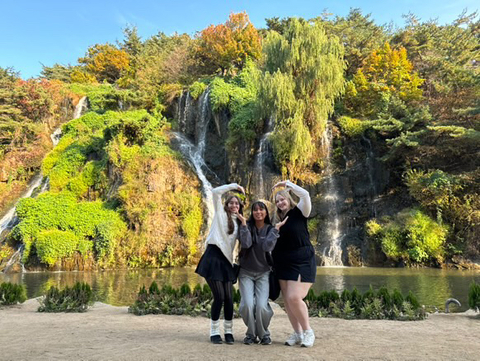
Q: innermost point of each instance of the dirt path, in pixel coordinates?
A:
(111, 333)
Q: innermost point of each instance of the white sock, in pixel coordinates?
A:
(214, 327)
(227, 326)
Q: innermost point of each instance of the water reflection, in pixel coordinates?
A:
(432, 286)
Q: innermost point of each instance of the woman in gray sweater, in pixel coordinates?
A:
(257, 238)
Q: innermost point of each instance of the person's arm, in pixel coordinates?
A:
(245, 236)
(305, 203)
(219, 191)
(270, 240)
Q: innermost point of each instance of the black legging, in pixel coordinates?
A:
(222, 294)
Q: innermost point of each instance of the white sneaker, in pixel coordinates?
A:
(308, 338)
(294, 339)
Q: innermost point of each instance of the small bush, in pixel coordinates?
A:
(172, 301)
(474, 295)
(197, 88)
(353, 127)
(71, 299)
(11, 294)
(411, 236)
(374, 305)
(53, 245)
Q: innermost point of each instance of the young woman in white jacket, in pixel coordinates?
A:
(216, 264)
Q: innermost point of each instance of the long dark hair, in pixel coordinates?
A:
(231, 226)
(251, 220)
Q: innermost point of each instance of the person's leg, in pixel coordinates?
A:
(247, 303)
(228, 300)
(291, 316)
(263, 311)
(295, 292)
(218, 292)
(228, 312)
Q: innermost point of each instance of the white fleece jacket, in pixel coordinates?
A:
(218, 234)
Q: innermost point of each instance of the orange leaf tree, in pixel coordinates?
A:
(385, 73)
(105, 62)
(227, 46)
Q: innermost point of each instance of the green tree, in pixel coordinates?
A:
(57, 72)
(303, 76)
(358, 33)
(447, 57)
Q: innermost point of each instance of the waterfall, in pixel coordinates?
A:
(182, 120)
(259, 163)
(10, 219)
(332, 251)
(194, 153)
(80, 108)
(371, 170)
(56, 135)
(17, 257)
(202, 124)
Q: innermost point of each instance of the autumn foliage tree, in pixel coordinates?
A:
(386, 73)
(226, 46)
(104, 62)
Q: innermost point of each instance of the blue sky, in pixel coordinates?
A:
(52, 31)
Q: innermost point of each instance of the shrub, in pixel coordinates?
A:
(106, 97)
(11, 294)
(411, 236)
(54, 224)
(197, 88)
(372, 304)
(173, 301)
(353, 127)
(474, 295)
(71, 299)
(53, 245)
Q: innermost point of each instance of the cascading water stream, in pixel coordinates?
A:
(183, 120)
(203, 123)
(10, 219)
(332, 251)
(195, 152)
(371, 169)
(80, 108)
(260, 160)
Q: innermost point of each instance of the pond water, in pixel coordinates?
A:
(431, 286)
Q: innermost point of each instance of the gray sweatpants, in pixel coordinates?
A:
(254, 307)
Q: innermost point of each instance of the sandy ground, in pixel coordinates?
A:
(110, 333)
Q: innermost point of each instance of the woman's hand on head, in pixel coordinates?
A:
(241, 189)
(242, 219)
(280, 224)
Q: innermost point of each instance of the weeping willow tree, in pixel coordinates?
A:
(304, 73)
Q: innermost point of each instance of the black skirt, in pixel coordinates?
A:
(301, 261)
(215, 266)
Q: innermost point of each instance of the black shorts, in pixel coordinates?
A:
(215, 266)
(301, 261)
